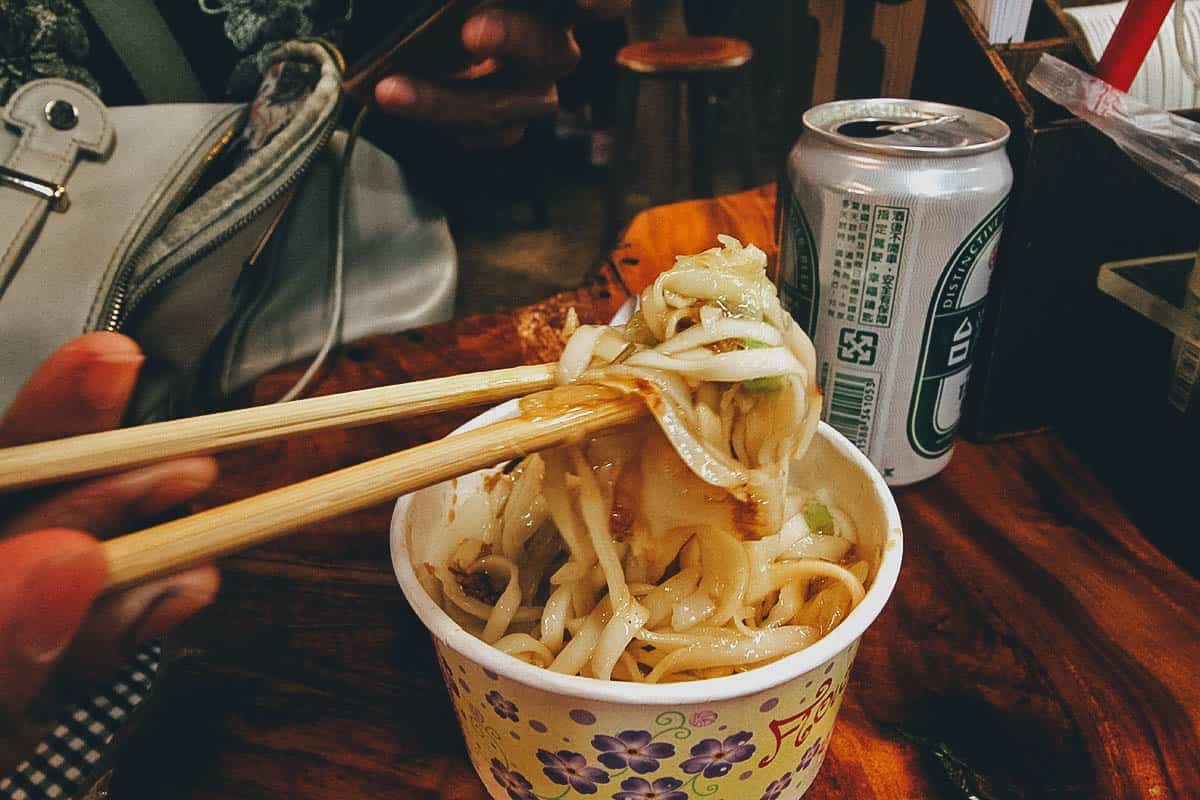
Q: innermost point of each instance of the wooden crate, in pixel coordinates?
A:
(1077, 202)
(1056, 351)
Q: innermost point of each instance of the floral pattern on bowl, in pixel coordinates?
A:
(530, 744)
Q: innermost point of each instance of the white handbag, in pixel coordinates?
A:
(224, 238)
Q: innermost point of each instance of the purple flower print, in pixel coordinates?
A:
(565, 767)
(642, 789)
(776, 788)
(631, 749)
(715, 758)
(704, 718)
(512, 782)
(503, 708)
(811, 753)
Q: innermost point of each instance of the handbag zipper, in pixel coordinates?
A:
(121, 304)
(121, 309)
(121, 285)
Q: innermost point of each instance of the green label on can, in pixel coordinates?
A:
(952, 328)
(799, 257)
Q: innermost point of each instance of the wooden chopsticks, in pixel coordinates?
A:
(95, 453)
(176, 545)
(192, 540)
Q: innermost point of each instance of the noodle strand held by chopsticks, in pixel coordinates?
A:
(676, 549)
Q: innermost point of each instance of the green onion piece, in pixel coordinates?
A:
(819, 520)
(767, 385)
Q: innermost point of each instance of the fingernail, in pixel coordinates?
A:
(396, 93)
(483, 34)
(51, 604)
(161, 486)
(107, 381)
(171, 607)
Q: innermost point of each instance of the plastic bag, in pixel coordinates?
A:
(1164, 144)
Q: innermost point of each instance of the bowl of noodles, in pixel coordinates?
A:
(668, 610)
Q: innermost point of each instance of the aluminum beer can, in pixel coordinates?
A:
(890, 218)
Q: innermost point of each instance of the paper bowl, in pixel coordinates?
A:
(536, 735)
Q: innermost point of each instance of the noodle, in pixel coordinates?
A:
(675, 549)
(554, 618)
(521, 644)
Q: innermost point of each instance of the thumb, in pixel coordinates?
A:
(51, 578)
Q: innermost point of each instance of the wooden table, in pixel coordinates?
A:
(1036, 645)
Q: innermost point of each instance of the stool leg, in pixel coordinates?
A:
(620, 166)
(664, 169)
(743, 109)
(701, 124)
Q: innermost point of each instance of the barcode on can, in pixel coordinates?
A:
(1187, 372)
(852, 396)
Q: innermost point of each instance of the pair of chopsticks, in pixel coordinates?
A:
(176, 545)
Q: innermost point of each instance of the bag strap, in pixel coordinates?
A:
(140, 36)
(337, 301)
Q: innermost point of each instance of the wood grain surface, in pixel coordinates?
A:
(1036, 644)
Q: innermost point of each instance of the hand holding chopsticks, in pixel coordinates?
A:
(175, 545)
(219, 531)
(95, 453)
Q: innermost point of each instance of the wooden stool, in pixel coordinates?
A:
(702, 63)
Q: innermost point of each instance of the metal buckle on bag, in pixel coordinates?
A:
(54, 193)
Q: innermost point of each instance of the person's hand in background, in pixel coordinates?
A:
(529, 54)
(53, 624)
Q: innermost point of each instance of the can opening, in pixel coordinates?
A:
(869, 128)
(906, 127)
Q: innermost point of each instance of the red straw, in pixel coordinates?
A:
(1131, 41)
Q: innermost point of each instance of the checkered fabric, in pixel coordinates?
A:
(64, 763)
